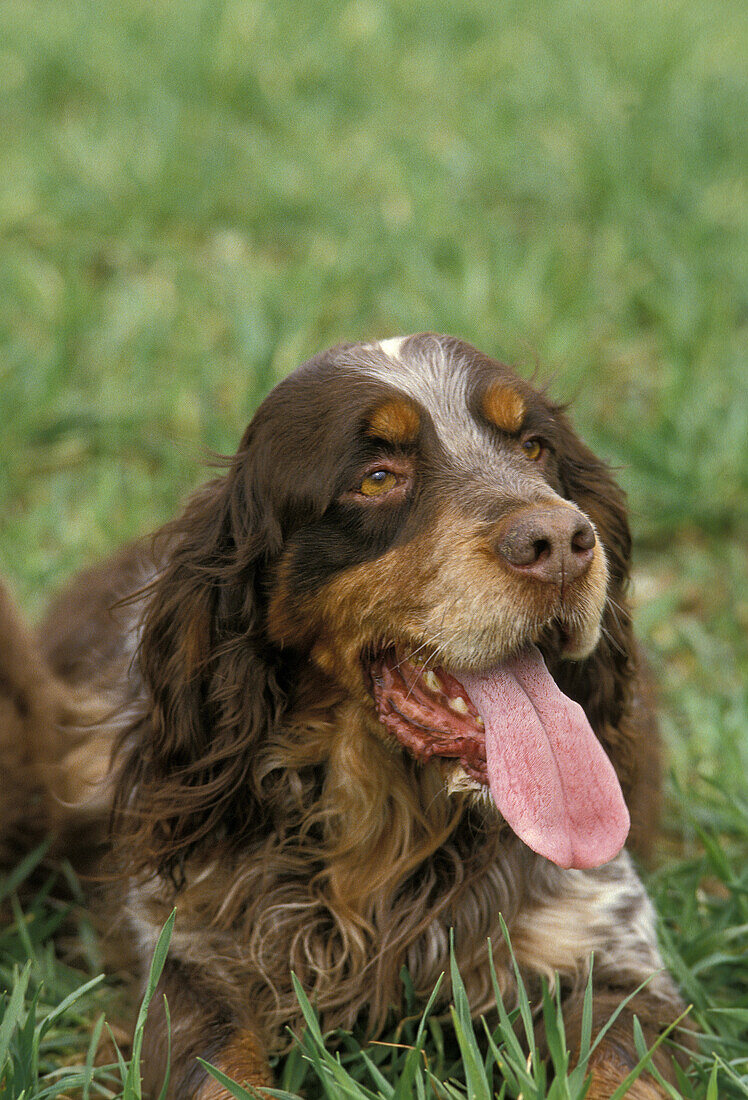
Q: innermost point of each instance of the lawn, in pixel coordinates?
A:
(197, 195)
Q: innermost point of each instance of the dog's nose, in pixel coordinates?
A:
(553, 544)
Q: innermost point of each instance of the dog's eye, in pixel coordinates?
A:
(533, 449)
(377, 482)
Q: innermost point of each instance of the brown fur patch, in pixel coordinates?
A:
(610, 1068)
(396, 420)
(243, 1061)
(196, 633)
(51, 752)
(504, 407)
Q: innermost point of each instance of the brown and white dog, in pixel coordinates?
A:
(378, 681)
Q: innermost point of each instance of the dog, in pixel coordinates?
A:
(378, 681)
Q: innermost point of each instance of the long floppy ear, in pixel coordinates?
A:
(601, 682)
(211, 691)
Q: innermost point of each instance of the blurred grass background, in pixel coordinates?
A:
(197, 195)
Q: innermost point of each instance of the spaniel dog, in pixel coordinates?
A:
(377, 682)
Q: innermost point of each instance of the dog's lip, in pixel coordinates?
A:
(556, 634)
(428, 711)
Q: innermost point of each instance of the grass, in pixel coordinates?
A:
(195, 196)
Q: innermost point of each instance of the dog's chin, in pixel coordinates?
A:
(571, 639)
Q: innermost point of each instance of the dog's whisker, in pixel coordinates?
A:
(615, 608)
(429, 663)
(410, 656)
(612, 640)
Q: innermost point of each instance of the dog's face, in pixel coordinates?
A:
(429, 541)
(426, 514)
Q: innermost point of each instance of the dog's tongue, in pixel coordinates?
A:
(547, 772)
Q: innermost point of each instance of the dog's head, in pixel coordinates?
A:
(412, 524)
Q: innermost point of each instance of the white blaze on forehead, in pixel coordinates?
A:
(438, 379)
(391, 347)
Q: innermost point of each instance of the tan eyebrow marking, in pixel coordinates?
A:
(504, 407)
(396, 421)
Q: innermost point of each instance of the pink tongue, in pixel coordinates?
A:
(548, 773)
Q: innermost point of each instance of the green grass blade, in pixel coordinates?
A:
(10, 883)
(554, 1033)
(587, 1010)
(93, 1046)
(645, 1061)
(512, 1070)
(411, 1073)
(523, 1000)
(617, 1012)
(20, 924)
(427, 1010)
(384, 1086)
(132, 1085)
(505, 1024)
(310, 1017)
(231, 1087)
(459, 995)
(740, 1082)
(167, 1071)
(325, 1065)
(711, 1089)
(69, 1001)
(14, 1012)
(121, 1063)
(477, 1084)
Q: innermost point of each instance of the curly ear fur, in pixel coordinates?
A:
(211, 692)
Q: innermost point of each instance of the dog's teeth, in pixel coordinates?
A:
(431, 681)
(458, 704)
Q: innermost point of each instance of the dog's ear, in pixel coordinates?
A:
(211, 692)
(601, 682)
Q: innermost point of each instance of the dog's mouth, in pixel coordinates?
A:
(514, 731)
